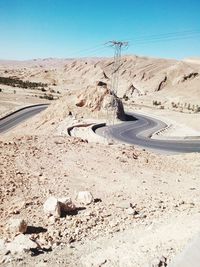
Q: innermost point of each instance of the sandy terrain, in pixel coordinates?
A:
(141, 78)
(146, 205)
(167, 200)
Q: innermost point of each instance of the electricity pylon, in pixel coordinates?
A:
(117, 45)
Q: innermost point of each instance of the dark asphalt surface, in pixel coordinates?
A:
(15, 118)
(139, 131)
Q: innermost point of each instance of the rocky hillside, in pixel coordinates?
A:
(140, 77)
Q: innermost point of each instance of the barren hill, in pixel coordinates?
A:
(195, 60)
(140, 77)
(143, 201)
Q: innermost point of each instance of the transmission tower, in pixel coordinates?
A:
(117, 45)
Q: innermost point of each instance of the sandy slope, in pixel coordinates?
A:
(39, 160)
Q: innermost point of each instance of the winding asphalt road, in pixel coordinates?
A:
(10, 121)
(139, 132)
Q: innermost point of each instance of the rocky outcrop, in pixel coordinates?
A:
(100, 83)
(162, 84)
(99, 99)
(190, 76)
(132, 91)
(120, 114)
(93, 97)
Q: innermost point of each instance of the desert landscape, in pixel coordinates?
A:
(70, 197)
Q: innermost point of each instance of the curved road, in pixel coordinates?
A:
(10, 121)
(139, 132)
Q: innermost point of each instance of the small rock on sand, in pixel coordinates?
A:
(17, 226)
(52, 207)
(66, 204)
(84, 197)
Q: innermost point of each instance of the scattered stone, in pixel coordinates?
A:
(52, 207)
(66, 204)
(140, 216)
(130, 211)
(17, 226)
(162, 262)
(84, 197)
(21, 243)
(55, 207)
(52, 219)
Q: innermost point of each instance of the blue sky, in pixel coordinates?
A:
(67, 28)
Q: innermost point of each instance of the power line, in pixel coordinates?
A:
(117, 45)
(111, 108)
(91, 49)
(164, 40)
(143, 40)
(96, 52)
(163, 35)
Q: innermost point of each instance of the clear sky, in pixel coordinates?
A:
(67, 28)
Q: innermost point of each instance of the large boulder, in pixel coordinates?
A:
(99, 98)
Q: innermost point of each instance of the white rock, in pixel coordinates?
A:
(52, 219)
(17, 225)
(20, 244)
(130, 211)
(84, 197)
(66, 204)
(52, 207)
